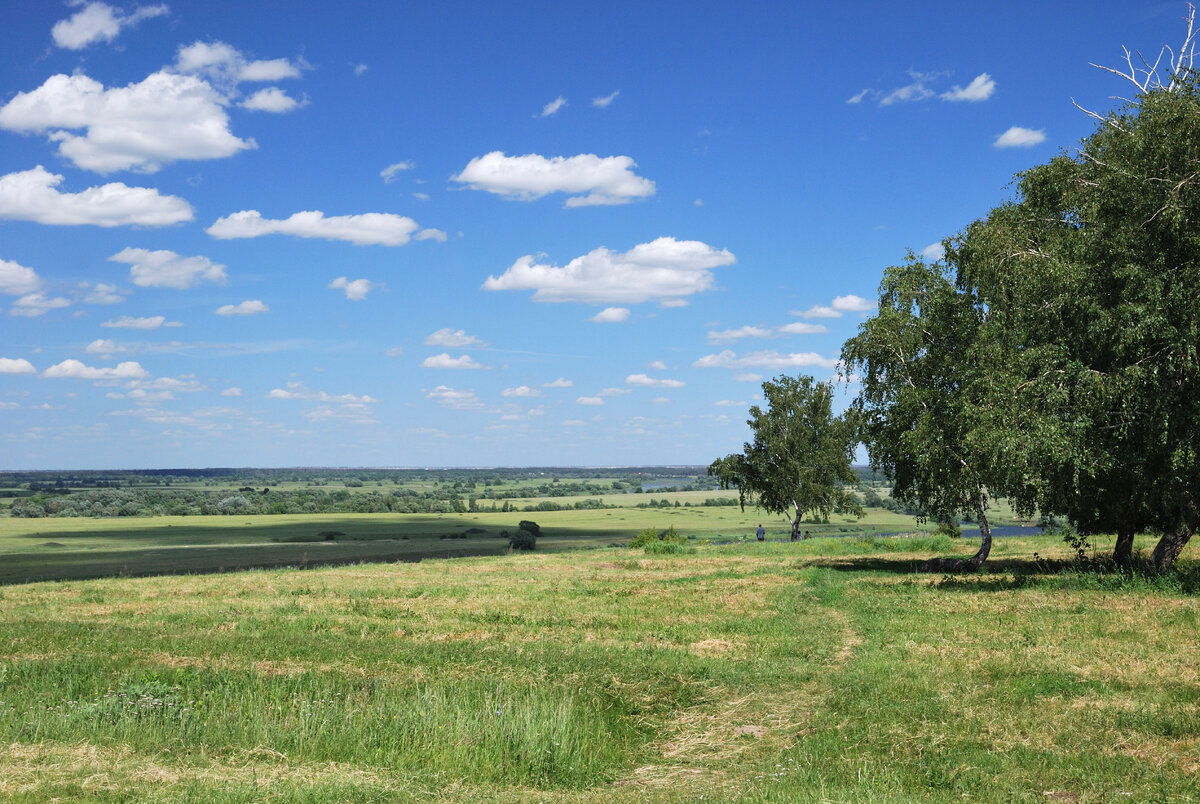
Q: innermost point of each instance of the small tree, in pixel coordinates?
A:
(799, 460)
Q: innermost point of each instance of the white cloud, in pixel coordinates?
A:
(453, 338)
(166, 269)
(1017, 137)
(445, 361)
(771, 360)
(606, 100)
(657, 365)
(430, 234)
(611, 315)
(660, 400)
(521, 391)
(248, 307)
(665, 269)
(853, 304)
(163, 119)
(395, 351)
(235, 391)
(592, 401)
(644, 381)
(17, 365)
(588, 179)
(422, 197)
(74, 369)
(17, 280)
(360, 69)
(561, 382)
(980, 89)
(800, 328)
(614, 392)
(726, 335)
(228, 67)
(916, 91)
(933, 252)
(272, 99)
(298, 390)
(30, 195)
(390, 172)
(97, 22)
(747, 376)
(453, 398)
(371, 228)
(149, 322)
(32, 305)
(818, 311)
(355, 289)
(104, 346)
(553, 106)
(730, 403)
(857, 98)
(101, 293)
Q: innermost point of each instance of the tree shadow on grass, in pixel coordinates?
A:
(1007, 574)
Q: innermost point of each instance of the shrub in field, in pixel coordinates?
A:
(652, 536)
(525, 538)
(531, 527)
(665, 548)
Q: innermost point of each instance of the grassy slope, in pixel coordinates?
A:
(823, 670)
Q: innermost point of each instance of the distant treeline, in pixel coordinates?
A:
(156, 501)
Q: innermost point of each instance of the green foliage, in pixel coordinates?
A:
(652, 537)
(531, 527)
(799, 460)
(522, 539)
(660, 548)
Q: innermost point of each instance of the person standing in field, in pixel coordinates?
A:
(760, 533)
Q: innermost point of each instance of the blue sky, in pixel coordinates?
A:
(470, 234)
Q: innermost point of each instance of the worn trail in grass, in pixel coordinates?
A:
(819, 671)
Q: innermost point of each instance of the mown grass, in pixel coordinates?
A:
(819, 671)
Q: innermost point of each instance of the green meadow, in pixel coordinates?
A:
(824, 670)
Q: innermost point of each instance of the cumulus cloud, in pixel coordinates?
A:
(852, 304)
(101, 293)
(103, 346)
(800, 328)
(916, 91)
(31, 195)
(149, 322)
(726, 335)
(355, 289)
(1017, 137)
(453, 338)
(371, 228)
(665, 269)
(445, 361)
(553, 106)
(430, 234)
(16, 365)
(248, 307)
(771, 360)
(611, 315)
(454, 398)
(298, 390)
(818, 311)
(614, 392)
(604, 101)
(561, 382)
(74, 369)
(644, 381)
(657, 365)
(17, 280)
(32, 305)
(228, 67)
(390, 172)
(97, 22)
(593, 401)
(521, 391)
(731, 403)
(164, 118)
(980, 89)
(588, 179)
(933, 252)
(272, 99)
(166, 269)
(235, 391)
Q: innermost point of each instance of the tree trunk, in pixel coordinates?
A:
(1169, 547)
(796, 524)
(967, 564)
(1123, 552)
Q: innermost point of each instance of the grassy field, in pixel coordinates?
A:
(819, 671)
(74, 547)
